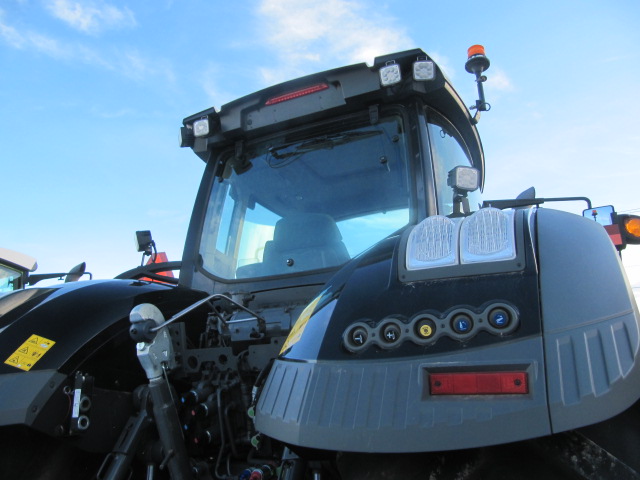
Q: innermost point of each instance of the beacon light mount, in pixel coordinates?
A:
(477, 63)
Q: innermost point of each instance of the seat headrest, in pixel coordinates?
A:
(306, 230)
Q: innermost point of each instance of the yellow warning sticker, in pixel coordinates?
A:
(27, 354)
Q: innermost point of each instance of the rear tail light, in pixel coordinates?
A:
(319, 87)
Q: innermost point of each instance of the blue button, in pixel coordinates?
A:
(462, 324)
(499, 318)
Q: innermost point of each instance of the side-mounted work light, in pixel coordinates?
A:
(201, 127)
(464, 178)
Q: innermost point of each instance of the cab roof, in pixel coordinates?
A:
(330, 93)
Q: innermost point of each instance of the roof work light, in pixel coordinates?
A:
(390, 74)
(423, 69)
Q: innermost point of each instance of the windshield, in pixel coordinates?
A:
(312, 199)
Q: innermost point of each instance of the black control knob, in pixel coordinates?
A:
(499, 318)
(391, 333)
(358, 336)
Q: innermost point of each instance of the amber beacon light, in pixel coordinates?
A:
(477, 63)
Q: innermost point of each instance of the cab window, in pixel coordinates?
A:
(448, 151)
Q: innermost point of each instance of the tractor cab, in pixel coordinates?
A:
(306, 175)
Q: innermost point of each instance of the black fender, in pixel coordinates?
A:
(49, 334)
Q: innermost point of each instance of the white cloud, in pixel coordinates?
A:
(10, 34)
(500, 81)
(444, 63)
(135, 65)
(29, 40)
(127, 62)
(91, 17)
(211, 78)
(306, 35)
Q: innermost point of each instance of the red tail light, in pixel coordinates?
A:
(297, 93)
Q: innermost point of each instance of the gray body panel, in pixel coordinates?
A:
(23, 394)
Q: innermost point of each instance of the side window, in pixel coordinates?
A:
(10, 278)
(257, 230)
(448, 152)
(236, 231)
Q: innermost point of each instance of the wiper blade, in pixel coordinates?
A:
(318, 143)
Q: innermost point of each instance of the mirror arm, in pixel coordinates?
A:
(528, 202)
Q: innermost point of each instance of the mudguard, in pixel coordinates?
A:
(47, 334)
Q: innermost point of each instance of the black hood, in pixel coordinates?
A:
(370, 290)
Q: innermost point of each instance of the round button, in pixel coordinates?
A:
(425, 328)
(390, 333)
(499, 318)
(358, 336)
(461, 323)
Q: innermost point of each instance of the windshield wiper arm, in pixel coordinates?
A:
(318, 143)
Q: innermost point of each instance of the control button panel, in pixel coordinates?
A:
(425, 328)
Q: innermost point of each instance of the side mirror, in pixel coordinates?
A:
(622, 229)
(602, 215)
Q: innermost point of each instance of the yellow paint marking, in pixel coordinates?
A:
(296, 332)
(27, 354)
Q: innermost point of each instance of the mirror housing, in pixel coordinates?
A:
(603, 215)
(622, 229)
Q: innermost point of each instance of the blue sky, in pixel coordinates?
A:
(92, 94)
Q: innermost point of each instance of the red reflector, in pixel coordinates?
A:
(297, 93)
(614, 234)
(484, 383)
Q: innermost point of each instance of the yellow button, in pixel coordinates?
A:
(426, 331)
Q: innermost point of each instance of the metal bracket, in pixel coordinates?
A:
(81, 403)
(155, 354)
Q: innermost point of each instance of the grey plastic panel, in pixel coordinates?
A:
(23, 394)
(592, 372)
(369, 406)
(590, 322)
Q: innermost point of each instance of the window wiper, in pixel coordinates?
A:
(318, 143)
